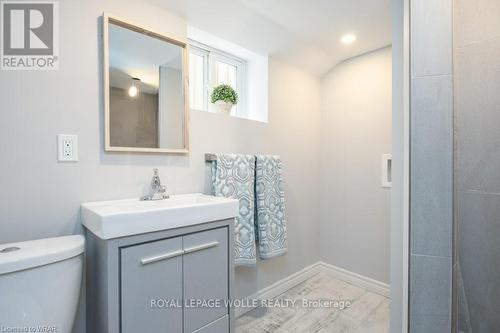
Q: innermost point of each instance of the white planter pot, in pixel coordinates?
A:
(223, 107)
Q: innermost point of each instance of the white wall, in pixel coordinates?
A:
(40, 197)
(355, 132)
(171, 105)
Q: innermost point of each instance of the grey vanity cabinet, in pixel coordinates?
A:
(130, 279)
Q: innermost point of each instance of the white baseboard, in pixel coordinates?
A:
(306, 273)
(281, 286)
(358, 280)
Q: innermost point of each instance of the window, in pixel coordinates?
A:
(198, 69)
(208, 68)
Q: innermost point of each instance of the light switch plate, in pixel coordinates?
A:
(387, 170)
(67, 148)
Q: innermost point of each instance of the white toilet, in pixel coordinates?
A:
(40, 284)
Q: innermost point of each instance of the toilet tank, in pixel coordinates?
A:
(40, 284)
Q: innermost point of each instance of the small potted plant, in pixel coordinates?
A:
(224, 97)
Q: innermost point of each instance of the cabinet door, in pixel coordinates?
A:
(151, 275)
(205, 270)
(218, 326)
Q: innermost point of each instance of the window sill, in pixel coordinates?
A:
(218, 114)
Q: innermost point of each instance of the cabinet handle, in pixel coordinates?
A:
(200, 247)
(177, 253)
(160, 257)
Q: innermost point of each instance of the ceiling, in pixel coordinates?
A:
(303, 32)
(132, 54)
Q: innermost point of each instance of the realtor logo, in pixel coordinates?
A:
(29, 35)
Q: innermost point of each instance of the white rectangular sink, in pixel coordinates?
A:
(119, 218)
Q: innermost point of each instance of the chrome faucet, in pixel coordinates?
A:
(157, 191)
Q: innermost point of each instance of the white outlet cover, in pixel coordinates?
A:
(67, 147)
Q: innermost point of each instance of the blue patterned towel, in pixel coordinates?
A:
(233, 176)
(270, 208)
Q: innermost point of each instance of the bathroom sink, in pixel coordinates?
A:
(119, 218)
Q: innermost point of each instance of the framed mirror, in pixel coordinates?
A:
(145, 90)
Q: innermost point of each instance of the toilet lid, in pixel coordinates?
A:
(24, 255)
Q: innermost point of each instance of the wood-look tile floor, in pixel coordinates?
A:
(368, 312)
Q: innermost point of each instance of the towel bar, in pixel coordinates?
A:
(209, 157)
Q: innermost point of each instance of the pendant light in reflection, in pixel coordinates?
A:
(133, 90)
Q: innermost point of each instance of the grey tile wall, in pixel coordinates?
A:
(478, 116)
(479, 248)
(431, 166)
(430, 324)
(431, 36)
(430, 294)
(477, 68)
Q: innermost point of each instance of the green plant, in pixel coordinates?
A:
(224, 93)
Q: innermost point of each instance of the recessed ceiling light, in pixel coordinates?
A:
(348, 39)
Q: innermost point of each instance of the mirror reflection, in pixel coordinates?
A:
(147, 105)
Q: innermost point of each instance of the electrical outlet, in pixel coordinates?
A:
(67, 148)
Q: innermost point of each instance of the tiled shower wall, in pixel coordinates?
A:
(477, 108)
(431, 166)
